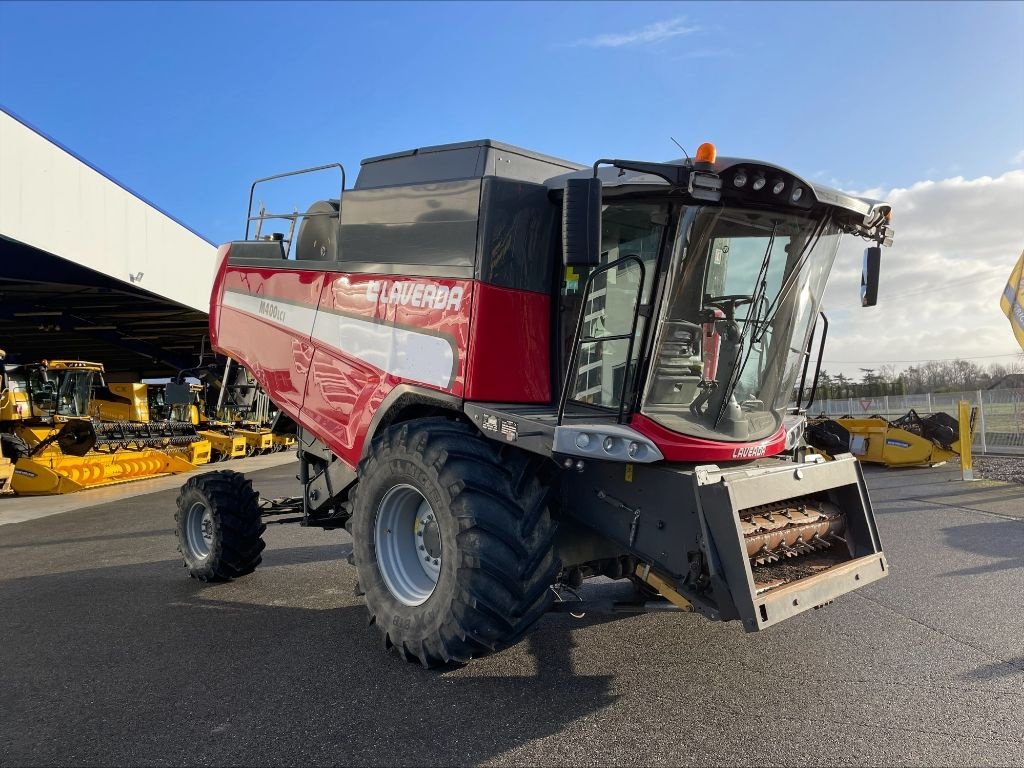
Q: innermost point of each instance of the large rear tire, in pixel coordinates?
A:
(452, 541)
(219, 526)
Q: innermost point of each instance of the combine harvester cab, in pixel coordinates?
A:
(494, 424)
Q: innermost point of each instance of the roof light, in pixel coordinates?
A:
(706, 153)
(759, 183)
(798, 192)
(779, 186)
(740, 179)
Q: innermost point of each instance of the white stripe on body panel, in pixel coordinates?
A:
(408, 354)
(294, 317)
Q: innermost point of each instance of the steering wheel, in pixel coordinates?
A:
(728, 303)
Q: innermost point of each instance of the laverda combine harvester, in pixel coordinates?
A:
(510, 373)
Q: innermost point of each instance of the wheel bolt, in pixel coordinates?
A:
(436, 562)
(422, 548)
(427, 558)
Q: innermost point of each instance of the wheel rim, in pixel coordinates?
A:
(408, 543)
(199, 530)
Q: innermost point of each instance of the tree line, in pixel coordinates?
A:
(933, 376)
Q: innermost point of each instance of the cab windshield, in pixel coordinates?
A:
(741, 293)
(73, 393)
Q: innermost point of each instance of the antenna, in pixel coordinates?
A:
(680, 146)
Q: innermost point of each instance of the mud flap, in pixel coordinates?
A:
(763, 594)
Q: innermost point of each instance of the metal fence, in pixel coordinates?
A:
(1000, 425)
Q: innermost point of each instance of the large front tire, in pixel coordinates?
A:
(477, 516)
(219, 526)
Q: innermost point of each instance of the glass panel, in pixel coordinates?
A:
(73, 394)
(630, 229)
(742, 290)
(608, 311)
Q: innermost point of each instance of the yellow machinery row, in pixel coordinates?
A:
(63, 429)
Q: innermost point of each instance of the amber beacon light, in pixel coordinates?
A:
(706, 153)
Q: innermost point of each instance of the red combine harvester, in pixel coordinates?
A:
(510, 372)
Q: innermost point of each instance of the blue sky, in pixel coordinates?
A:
(186, 103)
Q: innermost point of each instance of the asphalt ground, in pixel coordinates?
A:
(109, 655)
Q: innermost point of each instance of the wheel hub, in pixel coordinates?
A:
(431, 536)
(199, 530)
(408, 545)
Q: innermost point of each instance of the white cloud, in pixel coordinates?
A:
(652, 33)
(1018, 159)
(956, 242)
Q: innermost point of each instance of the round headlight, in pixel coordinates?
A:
(633, 450)
(759, 183)
(582, 440)
(797, 194)
(609, 444)
(739, 179)
(779, 186)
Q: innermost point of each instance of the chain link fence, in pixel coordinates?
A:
(1000, 425)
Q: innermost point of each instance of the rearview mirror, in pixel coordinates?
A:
(581, 222)
(177, 394)
(869, 276)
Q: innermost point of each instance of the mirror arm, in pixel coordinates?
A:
(677, 175)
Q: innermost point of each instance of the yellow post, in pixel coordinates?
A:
(966, 438)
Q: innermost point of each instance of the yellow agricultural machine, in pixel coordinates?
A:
(909, 441)
(226, 406)
(47, 432)
(189, 406)
(128, 420)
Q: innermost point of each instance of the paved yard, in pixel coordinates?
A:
(109, 655)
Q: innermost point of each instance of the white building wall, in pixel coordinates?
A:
(51, 200)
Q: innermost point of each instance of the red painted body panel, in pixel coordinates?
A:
(329, 347)
(677, 447)
(510, 347)
(343, 391)
(278, 358)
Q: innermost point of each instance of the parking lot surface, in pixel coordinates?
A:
(109, 655)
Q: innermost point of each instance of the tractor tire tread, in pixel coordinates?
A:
(238, 547)
(504, 531)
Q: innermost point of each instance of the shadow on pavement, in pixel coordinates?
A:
(1000, 539)
(997, 670)
(136, 664)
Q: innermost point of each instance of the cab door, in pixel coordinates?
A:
(599, 372)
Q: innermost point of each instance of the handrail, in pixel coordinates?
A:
(291, 216)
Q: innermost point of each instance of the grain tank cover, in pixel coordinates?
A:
(463, 160)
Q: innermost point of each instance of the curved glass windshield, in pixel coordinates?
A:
(73, 393)
(741, 294)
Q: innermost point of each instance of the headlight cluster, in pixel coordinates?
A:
(605, 442)
(610, 445)
(776, 185)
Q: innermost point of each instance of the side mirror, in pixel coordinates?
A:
(581, 222)
(869, 276)
(177, 394)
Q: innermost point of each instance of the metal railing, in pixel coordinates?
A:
(1000, 427)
